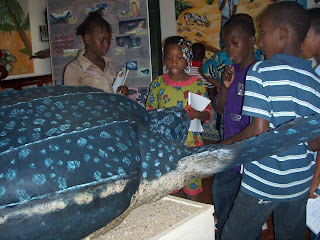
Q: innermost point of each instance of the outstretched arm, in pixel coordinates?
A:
(256, 127)
(316, 178)
(315, 144)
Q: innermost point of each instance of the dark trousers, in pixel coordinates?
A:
(225, 187)
(249, 214)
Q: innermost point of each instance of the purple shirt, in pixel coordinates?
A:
(234, 122)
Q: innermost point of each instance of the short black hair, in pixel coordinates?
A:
(292, 14)
(244, 24)
(245, 17)
(314, 14)
(93, 18)
(198, 51)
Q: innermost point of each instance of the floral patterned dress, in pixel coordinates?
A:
(165, 92)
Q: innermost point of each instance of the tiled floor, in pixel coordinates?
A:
(205, 197)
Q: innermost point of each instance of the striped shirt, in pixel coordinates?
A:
(195, 72)
(278, 90)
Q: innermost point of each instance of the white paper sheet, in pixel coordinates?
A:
(120, 79)
(313, 214)
(199, 103)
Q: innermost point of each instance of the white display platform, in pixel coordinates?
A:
(199, 225)
(170, 218)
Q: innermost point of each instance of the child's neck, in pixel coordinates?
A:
(95, 59)
(179, 78)
(247, 61)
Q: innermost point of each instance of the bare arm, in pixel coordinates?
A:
(256, 127)
(316, 178)
(213, 81)
(315, 144)
(234, 10)
(222, 5)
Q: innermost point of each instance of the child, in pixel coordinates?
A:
(239, 39)
(199, 51)
(171, 90)
(311, 48)
(91, 67)
(277, 91)
(213, 68)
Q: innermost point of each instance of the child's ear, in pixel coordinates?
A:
(252, 41)
(283, 31)
(86, 38)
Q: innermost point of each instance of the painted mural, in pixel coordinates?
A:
(200, 21)
(15, 37)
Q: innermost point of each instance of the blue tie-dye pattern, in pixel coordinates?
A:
(87, 157)
(2, 191)
(11, 174)
(82, 142)
(121, 171)
(24, 153)
(22, 195)
(160, 154)
(72, 165)
(158, 173)
(121, 147)
(52, 175)
(105, 122)
(39, 179)
(54, 147)
(126, 161)
(156, 163)
(103, 154)
(62, 183)
(48, 162)
(97, 175)
(4, 142)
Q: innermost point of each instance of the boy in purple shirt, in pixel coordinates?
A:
(239, 39)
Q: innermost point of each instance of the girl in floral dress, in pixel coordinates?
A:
(171, 90)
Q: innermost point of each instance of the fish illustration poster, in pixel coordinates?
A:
(130, 40)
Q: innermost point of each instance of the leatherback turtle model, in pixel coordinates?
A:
(76, 159)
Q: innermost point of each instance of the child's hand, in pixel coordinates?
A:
(123, 90)
(192, 112)
(228, 76)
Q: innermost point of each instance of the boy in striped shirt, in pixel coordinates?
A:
(278, 90)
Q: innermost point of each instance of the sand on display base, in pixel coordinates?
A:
(153, 219)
